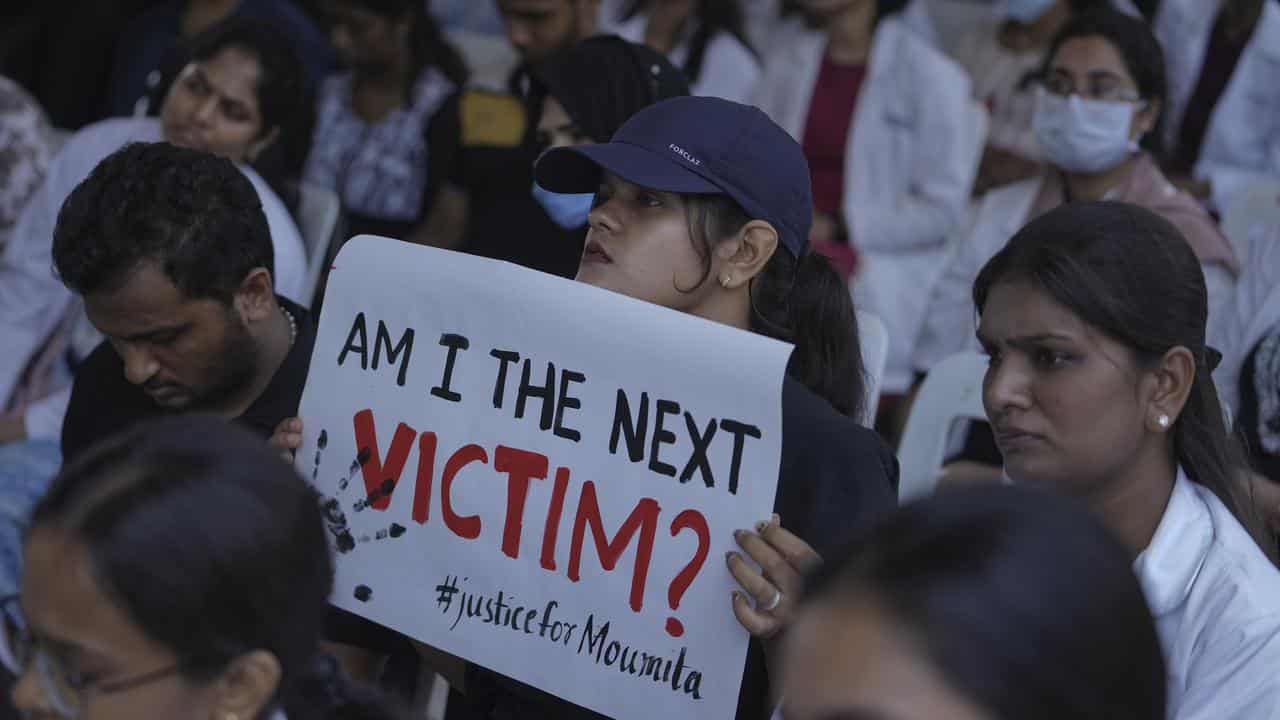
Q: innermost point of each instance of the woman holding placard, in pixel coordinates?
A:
(702, 205)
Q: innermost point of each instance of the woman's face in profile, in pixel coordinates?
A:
(639, 245)
(852, 661)
(90, 660)
(213, 107)
(1062, 398)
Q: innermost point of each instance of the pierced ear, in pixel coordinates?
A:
(255, 298)
(1174, 377)
(746, 254)
(248, 685)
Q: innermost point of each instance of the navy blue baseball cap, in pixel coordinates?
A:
(702, 145)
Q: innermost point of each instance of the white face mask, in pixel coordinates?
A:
(1024, 11)
(1083, 136)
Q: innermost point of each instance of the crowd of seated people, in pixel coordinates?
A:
(1087, 192)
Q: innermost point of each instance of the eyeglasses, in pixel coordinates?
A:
(66, 690)
(1099, 88)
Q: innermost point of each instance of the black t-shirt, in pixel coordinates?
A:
(495, 168)
(104, 402)
(835, 475)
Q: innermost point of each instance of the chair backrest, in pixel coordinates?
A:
(318, 210)
(873, 338)
(952, 391)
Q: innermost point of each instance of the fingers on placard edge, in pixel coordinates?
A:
(796, 551)
(776, 568)
(753, 583)
(756, 623)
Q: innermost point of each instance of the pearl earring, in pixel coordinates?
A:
(725, 280)
(1163, 421)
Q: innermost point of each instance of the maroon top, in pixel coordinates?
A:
(835, 95)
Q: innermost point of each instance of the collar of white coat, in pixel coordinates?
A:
(1168, 568)
(1267, 35)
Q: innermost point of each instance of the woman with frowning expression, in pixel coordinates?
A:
(1098, 388)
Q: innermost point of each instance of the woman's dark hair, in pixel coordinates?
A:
(713, 16)
(799, 300)
(1138, 47)
(1023, 603)
(285, 99)
(214, 547)
(1130, 274)
(601, 82)
(427, 45)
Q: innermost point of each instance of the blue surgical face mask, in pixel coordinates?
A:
(568, 210)
(1024, 11)
(1084, 136)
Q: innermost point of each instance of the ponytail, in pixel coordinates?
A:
(797, 300)
(1211, 455)
(804, 302)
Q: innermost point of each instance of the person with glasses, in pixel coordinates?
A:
(179, 571)
(1101, 99)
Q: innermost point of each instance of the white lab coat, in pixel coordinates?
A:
(950, 317)
(32, 299)
(1253, 309)
(1242, 140)
(1216, 601)
(729, 69)
(913, 150)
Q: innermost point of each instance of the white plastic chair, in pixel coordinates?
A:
(317, 220)
(952, 391)
(873, 338)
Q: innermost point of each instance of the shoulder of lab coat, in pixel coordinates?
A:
(1215, 598)
(1242, 141)
(1251, 310)
(917, 18)
(32, 299)
(914, 200)
(949, 318)
(290, 254)
(1252, 99)
(729, 70)
(791, 66)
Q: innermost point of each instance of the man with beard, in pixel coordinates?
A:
(170, 252)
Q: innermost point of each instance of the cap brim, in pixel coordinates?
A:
(578, 169)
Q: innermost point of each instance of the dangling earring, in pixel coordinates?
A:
(1163, 421)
